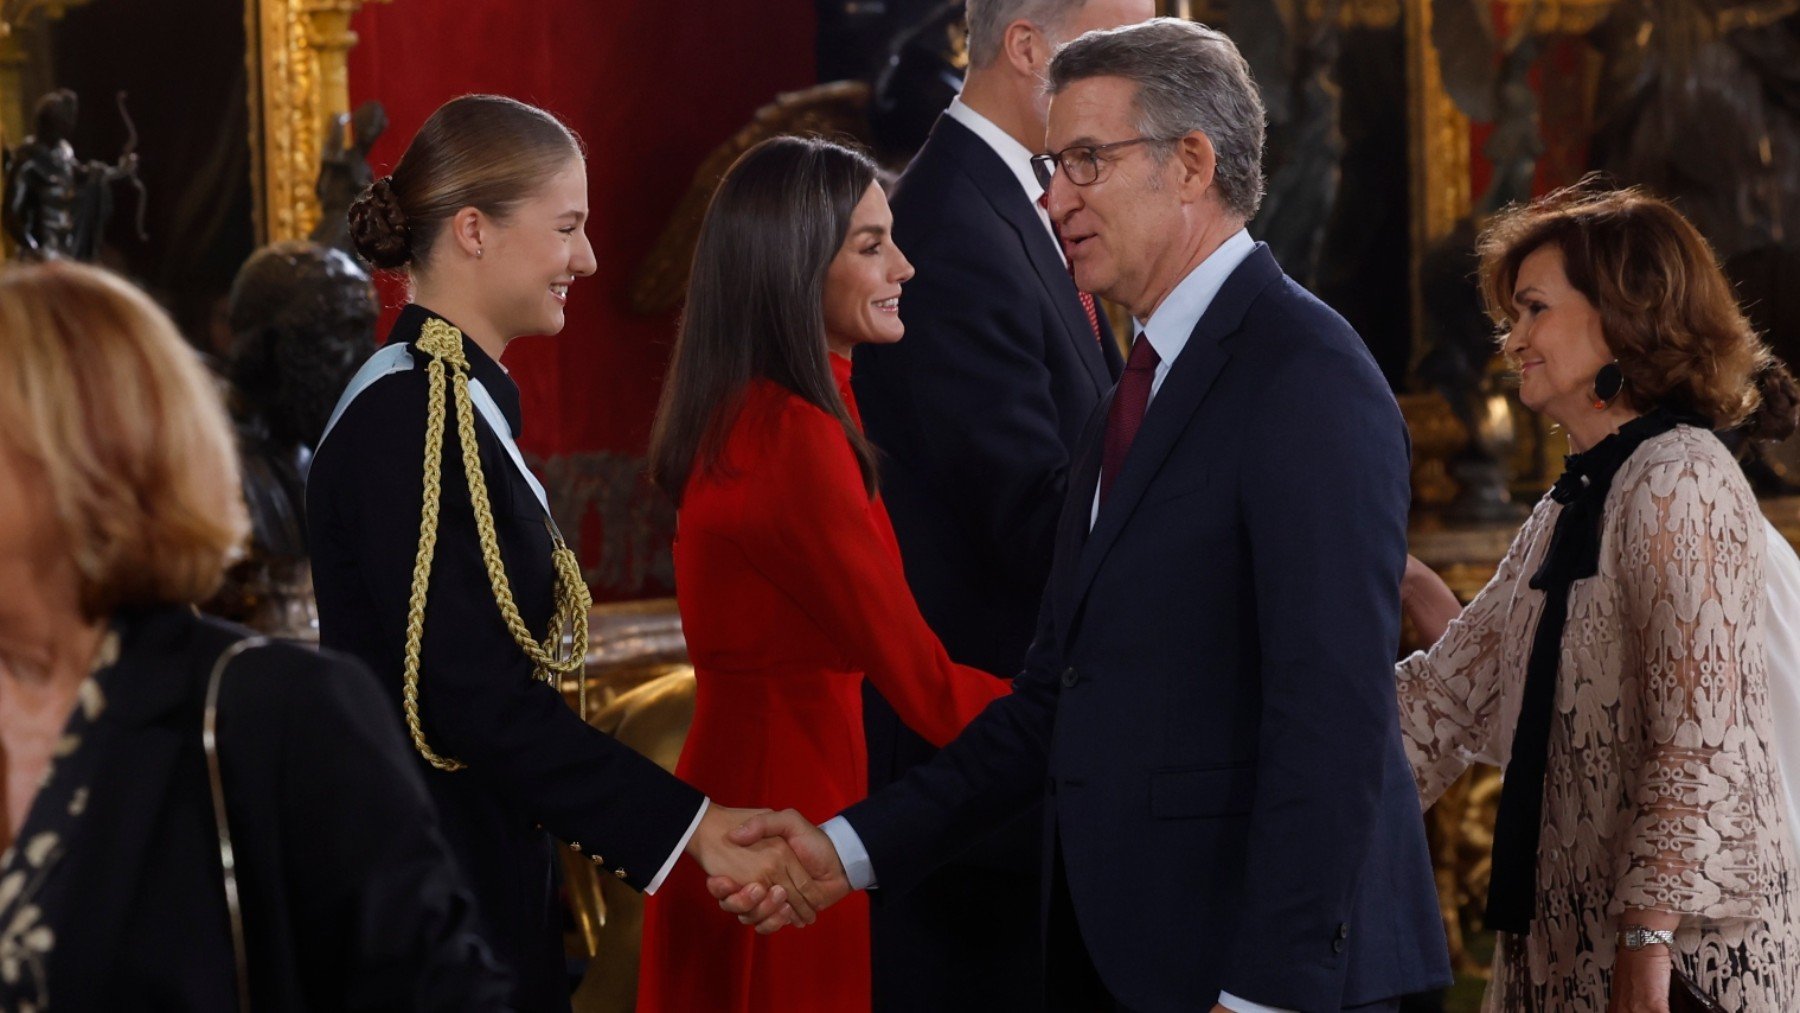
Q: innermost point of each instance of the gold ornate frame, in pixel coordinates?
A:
(297, 52)
(299, 80)
(1438, 130)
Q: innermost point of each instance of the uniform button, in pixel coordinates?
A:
(598, 860)
(1337, 946)
(1344, 931)
(1070, 677)
(575, 846)
(619, 873)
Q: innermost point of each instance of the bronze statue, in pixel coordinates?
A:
(344, 171)
(1292, 49)
(57, 205)
(302, 319)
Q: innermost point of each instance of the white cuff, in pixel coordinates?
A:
(851, 853)
(663, 873)
(1232, 1002)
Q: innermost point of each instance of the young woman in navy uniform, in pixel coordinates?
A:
(437, 563)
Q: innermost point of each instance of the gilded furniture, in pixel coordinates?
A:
(640, 690)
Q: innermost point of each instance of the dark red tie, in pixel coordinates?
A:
(1127, 411)
(1087, 301)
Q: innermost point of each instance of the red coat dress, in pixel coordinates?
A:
(791, 592)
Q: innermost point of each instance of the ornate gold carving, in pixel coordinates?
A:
(1436, 434)
(1438, 136)
(1558, 17)
(1460, 830)
(1356, 13)
(299, 80)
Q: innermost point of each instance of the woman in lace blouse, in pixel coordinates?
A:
(1615, 666)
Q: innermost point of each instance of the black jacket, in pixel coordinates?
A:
(535, 769)
(350, 899)
(976, 413)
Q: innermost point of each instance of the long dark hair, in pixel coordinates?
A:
(755, 301)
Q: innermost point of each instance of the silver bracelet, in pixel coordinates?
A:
(1636, 937)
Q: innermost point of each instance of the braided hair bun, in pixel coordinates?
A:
(379, 228)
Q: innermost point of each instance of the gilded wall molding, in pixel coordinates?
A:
(299, 79)
(1438, 133)
(19, 19)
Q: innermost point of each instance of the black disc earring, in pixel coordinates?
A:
(1607, 384)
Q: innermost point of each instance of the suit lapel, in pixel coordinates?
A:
(1072, 529)
(1001, 189)
(1190, 378)
(1109, 348)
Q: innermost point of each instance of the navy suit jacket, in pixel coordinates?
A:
(978, 409)
(1208, 709)
(977, 413)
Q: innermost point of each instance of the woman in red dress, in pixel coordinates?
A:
(786, 568)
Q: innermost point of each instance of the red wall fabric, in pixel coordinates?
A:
(652, 87)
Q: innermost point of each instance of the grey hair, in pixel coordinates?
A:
(988, 20)
(1189, 77)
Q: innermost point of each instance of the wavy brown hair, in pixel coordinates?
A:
(113, 413)
(1667, 311)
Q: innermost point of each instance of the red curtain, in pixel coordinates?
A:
(652, 87)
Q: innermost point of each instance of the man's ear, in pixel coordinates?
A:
(467, 229)
(1024, 47)
(1199, 164)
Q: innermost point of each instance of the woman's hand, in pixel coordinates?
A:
(1640, 981)
(1427, 600)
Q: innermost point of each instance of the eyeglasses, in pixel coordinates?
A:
(1081, 162)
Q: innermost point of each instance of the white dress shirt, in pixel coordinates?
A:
(1016, 156)
(1171, 324)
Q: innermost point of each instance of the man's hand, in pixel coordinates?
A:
(826, 882)
(765, 873)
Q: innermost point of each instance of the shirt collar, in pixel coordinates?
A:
(1170, 326)
(1016, 156)
(482, 367)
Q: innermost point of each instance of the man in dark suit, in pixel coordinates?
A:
(1207, 711)
(977, 413)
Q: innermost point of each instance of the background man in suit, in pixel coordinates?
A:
(1207, 711)
(977, 413)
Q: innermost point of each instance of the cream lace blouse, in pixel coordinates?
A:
(1659, 791)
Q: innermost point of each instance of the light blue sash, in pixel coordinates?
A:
(397, 358)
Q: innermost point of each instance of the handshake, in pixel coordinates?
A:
(771, 869)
